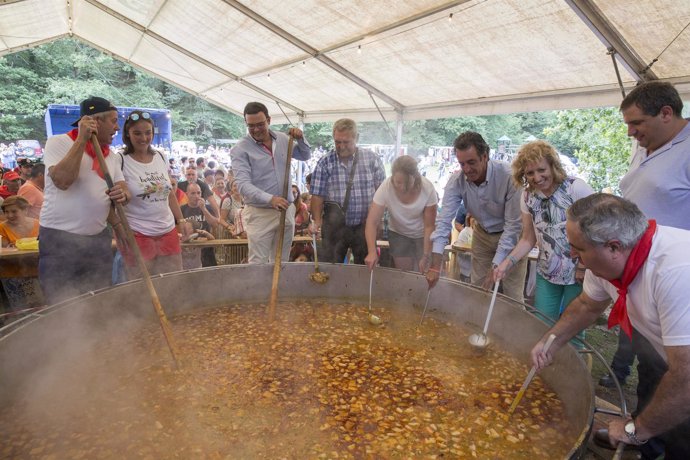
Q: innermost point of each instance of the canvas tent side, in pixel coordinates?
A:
(317, 61)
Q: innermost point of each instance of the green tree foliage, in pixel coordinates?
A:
(67, 72)
(21, 104)
(600, 143)
(420, 134)
(319, 134)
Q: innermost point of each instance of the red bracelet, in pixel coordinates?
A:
(436, 270)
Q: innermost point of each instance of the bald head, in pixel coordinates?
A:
(194, 195)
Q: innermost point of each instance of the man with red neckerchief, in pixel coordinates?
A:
(659, 184)
(75, 254)
(645, 267)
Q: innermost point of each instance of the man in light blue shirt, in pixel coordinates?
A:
(488, 192)
(658, 180)
(259, 161)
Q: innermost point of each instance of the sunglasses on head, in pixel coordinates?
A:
(137, 116)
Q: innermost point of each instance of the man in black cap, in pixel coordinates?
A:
(24, 166)
(75, 254)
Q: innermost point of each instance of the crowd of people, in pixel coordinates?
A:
(594, 248)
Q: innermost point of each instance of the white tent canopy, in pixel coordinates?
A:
(321, 60)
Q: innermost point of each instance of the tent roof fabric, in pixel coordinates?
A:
(318, 60)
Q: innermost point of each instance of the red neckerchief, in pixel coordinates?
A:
(96, 166)
(638, 256)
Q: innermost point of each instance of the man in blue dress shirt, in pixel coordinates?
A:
(259, 160)
(487, 190)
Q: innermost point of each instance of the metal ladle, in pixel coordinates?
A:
(318, 277)
(481, 341)
(426, 304)
(373, 319)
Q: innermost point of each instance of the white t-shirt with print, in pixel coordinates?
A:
(149, 211)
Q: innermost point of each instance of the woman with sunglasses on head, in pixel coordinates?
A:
(154, 213)
(548, 193)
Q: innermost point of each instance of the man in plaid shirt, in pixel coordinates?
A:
(329, 186)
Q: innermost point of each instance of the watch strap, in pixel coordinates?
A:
(632, 435)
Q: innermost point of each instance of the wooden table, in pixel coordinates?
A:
(18, 263)
(235, 242)
(233, 251)
(24, 263)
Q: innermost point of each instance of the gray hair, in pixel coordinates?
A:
(602, 217)
(345, 124)
(102, 116)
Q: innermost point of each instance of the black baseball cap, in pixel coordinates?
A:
(92, 106)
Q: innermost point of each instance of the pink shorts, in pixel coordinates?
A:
(151, 247)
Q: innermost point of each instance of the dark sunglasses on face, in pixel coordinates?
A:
(136, 116)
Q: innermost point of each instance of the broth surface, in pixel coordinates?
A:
(319, 382)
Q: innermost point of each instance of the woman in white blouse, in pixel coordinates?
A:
(411, 201)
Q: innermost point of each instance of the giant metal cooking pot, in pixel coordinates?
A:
(48, 338)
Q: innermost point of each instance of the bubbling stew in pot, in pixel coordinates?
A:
(318, 382)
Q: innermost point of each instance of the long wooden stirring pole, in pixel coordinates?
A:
(281, 237)
(137, 254)
(529, 378)
(618, 455)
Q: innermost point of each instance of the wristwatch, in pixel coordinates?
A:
(630, 432)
